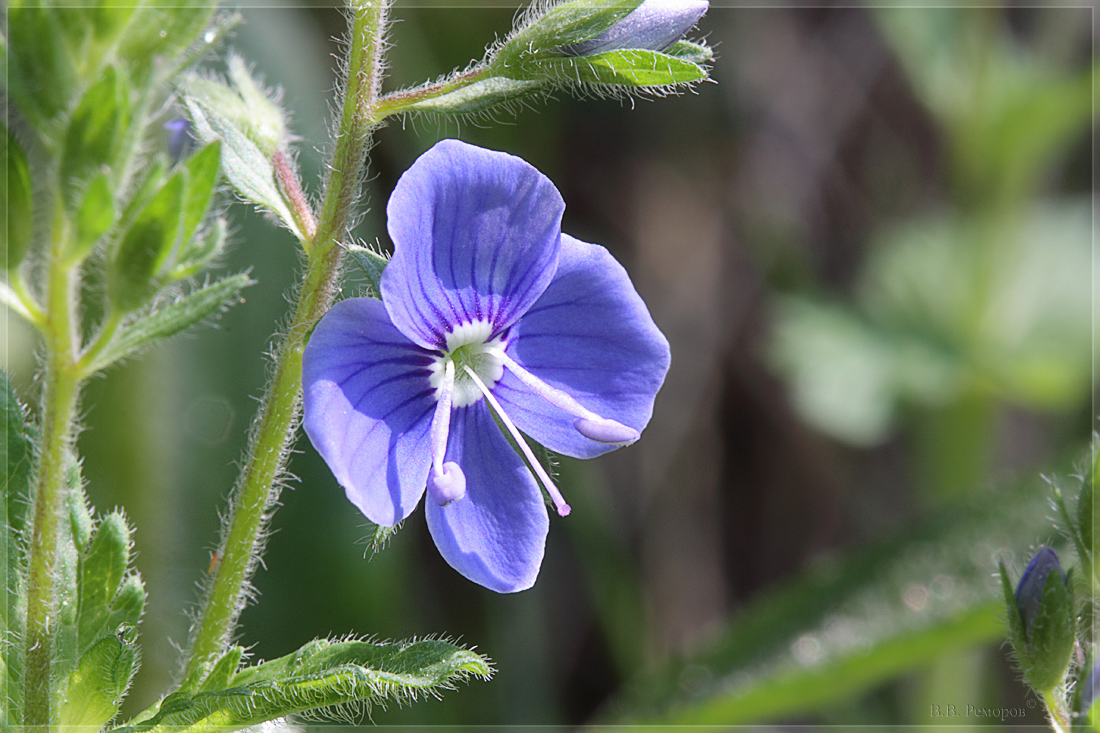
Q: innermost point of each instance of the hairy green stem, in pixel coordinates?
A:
(60, 395)
(1056, 710)
(397, 102)
(277, 421)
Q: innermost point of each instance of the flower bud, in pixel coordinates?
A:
(653, 26)
(1046, 621)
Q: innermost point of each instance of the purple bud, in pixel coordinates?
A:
(447, 485)
(179, 138)
(654, 26)
(602, 430)
(1029, 592)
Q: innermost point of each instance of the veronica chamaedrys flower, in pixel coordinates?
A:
(653, 26)
(1029, 591)
(488, 313)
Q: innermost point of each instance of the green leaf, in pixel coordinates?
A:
(320, 675)
(171, 318)
(198, 253)
(629, 67)
(133, 268)
(41, 73)
(480, 96)
(101, 571)
(202, 179)
(94, 689)
(129, 603)
(94, 217)
(372, 264)
(1016, 635)
(94, 135)
(16, 216)
(159, 34)
(249, 171)
(224, 670)
(695, 53)
(849, 625)
(16, 462)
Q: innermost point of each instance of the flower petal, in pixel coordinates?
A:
(368, 408)
(589, 335)
(476, 237)
(495, 535)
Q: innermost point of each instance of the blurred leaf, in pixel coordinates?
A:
(202, 180)
(249, 171)
(94, 217)
(39, 65)
(319, 675)
(158, 35)
(848, 625)
(201, 250)
(479, 96)
(16, 460)
(171, 318)
(132, 270)
(16, 216)
(95, 134)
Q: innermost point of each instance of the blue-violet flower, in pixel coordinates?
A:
(654, 26)
(488, 313)
(1029, 591)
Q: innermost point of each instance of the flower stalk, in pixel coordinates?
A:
(277, 420)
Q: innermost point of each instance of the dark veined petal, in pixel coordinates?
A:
(494, 535)
(368, 408)
(589, 335)
(476, 237)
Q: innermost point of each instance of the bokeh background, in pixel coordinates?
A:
(869, 242)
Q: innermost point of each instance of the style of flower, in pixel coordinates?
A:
(488, 313)
(653, 26)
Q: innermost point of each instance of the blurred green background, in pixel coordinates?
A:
(869, 244)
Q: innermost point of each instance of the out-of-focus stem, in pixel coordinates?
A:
(278, 416)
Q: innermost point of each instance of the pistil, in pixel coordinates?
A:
(446, 482)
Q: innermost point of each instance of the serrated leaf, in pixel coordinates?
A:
(101, 571)
(94, 689)
(202, 179)
(134, 266)
(171, 318)
(129, 603)
(319, 675)
(480, 96)
(94, 135)
(248, 170)
(16, 216)
(371, 264)
(94, 217)
(16, 459)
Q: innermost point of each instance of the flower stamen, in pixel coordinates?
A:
(589, 424)
(446, 482)
(536, 466)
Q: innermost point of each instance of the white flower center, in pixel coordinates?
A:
(468, 346)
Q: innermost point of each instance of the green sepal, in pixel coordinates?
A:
(1085, 520)
(201, 181)
(197, 253)
(696, 53)
(16, 469)
(629, 67)
(564, 24)
(101, 573)
(94, 217)
(94, 689)
(95, 134)
(246, 167)
(133, 268)
(321, 674)
(1016, 635)
(1051, 637)
(128, 604)
(171, 318)
(16, 215)
(480, 96)
(372, 264)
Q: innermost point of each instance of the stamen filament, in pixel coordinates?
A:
(536, 466)
(441, 421)
(589, 424)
